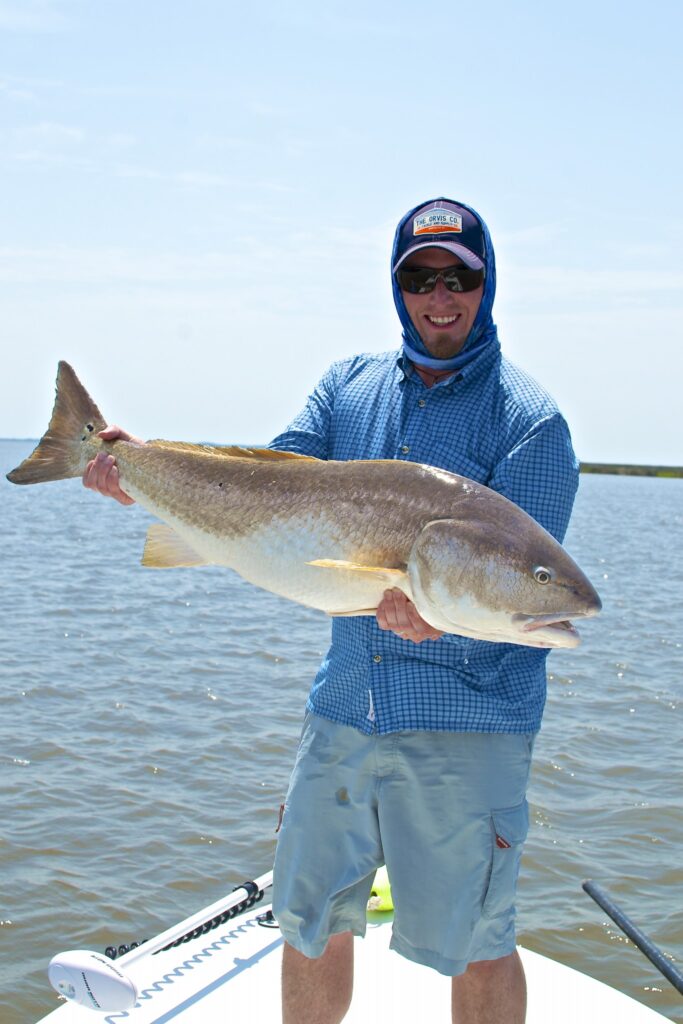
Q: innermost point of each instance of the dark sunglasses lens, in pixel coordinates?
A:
(462, 280)
(416, 281)
(419, 280)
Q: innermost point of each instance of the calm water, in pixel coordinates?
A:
(149, 721)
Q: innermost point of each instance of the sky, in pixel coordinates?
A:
(198, 199)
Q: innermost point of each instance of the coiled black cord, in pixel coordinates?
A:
(254, 895)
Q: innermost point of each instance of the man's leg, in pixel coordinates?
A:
(318, 991)
(490, 991)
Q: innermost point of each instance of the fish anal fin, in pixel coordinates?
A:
(165, 549)
(388, 577)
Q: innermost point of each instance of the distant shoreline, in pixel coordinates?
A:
(614, 468)
(627, 470)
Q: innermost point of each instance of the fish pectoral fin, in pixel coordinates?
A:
(165, 549)
(388, 577)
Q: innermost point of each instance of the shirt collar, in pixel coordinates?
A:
(481, 364)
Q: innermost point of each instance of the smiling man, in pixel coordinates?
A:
(416, 746)
(442, 306)
(442, 317)
(427, 735)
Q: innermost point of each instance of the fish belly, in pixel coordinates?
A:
(275, 557)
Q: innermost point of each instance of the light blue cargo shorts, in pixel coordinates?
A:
(447, 814)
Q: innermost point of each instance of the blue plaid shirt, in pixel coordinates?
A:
(490, 422)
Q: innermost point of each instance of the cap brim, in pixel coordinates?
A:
(469, 258)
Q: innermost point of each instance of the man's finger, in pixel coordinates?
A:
(116, 492)
(411, 625)
(416, 620)
(88, 473)
(390, 612)
(113, 432)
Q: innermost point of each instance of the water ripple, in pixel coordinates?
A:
(150, 721)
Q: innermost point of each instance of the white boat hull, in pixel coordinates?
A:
(233, 974)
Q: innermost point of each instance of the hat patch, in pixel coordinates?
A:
(436, 221)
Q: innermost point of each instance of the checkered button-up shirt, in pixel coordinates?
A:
(490, 422)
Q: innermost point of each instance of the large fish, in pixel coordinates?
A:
(334, 535)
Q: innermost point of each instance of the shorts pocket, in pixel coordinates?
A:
(509, 827)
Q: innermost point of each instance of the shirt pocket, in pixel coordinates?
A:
(509, 827)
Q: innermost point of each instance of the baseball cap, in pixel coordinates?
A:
(442, 225)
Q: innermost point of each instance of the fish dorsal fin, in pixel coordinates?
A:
(165, 549)
(273, 455)
(230, 451)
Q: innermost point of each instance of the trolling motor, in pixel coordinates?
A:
(93, 980)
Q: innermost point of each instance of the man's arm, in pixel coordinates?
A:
(541, 475)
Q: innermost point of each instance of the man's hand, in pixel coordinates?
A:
(398, 614)
(102, 474)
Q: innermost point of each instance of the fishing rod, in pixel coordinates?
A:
(93, 980)
(638, 938)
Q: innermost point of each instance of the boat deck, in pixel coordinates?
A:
(233, 974)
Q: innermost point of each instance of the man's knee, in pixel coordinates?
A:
(339, 944)
(483, 968)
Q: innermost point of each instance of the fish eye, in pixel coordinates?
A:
(542, 575)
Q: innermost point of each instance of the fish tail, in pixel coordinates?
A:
(60, 452)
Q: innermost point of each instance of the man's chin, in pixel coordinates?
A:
(443, 345)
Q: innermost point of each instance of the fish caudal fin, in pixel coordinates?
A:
(165, 549)
(74, 418)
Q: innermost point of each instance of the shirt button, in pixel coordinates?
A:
(422, 403)
(405, 449)
(377, 658)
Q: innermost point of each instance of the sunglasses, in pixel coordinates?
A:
(420, 280)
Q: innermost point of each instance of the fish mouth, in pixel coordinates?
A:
(549, 630)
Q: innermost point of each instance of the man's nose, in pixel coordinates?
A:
(441, 291)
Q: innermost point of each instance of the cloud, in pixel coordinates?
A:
(120, 140)
(532, 235)
(52, 133)
(21, 87)
(197, 178)
(175, 177)
(537, 288)
(48, 143)
(221, 143)
(111, 266)
(12, 91)
(32, 16)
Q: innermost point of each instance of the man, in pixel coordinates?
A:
(416, 746)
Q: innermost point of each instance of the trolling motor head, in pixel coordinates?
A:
(91, 980)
